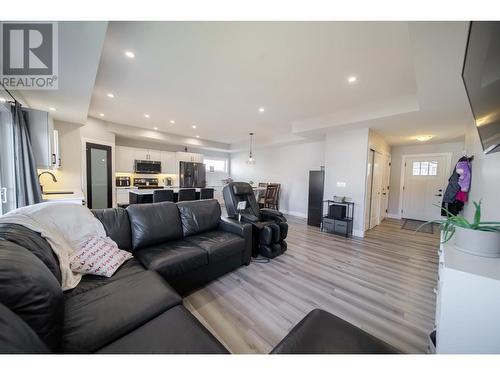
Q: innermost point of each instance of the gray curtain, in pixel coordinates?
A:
(27, 187)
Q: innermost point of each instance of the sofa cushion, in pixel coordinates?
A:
(16, 336)
(219, 244)
(172, 258)
(199, 216)
(35, 243)
(154, 223)
(175, 331)
(31, 291)
(88, 282)
(101, 315)
(117, 226)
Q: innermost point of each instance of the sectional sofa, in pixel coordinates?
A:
(176, 248)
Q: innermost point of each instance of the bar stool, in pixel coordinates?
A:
(163, 195)
(206, 193)
(187, 195)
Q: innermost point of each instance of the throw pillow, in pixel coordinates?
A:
(98, 256)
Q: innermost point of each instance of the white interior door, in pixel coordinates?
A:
(7, 177)
(424, 183)
(376, 195)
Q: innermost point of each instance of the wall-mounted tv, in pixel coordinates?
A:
(481, 75)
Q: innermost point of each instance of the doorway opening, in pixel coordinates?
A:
(378, 188)
(99, 179)
(423, 181)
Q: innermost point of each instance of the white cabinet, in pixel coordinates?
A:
(467, 304)
(146, 154)
(168, 162)
(190, 157)
(44, 141)
(124, 158)
(122, 196)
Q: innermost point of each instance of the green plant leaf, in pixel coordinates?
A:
(477, 214)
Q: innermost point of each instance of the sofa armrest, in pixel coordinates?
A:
(244, 230)
(270, 214)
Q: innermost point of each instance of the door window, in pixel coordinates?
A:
(425, 168)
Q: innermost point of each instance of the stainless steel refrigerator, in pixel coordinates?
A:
(192, 175)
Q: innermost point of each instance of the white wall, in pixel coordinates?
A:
(288, 165)
(456, 148)
(346, 154)
(71, 175)
(485, 178)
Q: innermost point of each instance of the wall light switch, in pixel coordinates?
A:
(341, 184)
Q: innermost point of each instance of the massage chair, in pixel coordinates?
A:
(269, 226)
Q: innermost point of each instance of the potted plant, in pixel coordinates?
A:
(479, 237)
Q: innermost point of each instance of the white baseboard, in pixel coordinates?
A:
(394, 216)
(358, 233)
(294, 213)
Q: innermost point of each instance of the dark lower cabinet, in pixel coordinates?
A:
(315, 201)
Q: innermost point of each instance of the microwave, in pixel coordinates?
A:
(147, 166)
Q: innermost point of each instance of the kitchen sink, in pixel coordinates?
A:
(57, 192)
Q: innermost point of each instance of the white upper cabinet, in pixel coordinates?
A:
(124, 159)
(168, 162)
(190, 157)
(44, 142)
(145, 154)
(154, 155)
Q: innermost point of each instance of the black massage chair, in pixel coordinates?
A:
(269, 226)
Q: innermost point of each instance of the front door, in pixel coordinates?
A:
(423, 187)
(99, 182)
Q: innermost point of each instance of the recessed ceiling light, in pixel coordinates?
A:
(101, 114)
(130, 54)
(110, 95)
(52, 109)
(146, 115)
(424, 138)
(172, 121)
(197, 136)
(261, 109)
(155, 128)
(194, 126)
(352, 79)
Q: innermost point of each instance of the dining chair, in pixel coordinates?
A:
(187, 195)
(163, 195)
(274, 197)
(207, 193)
(262, 196)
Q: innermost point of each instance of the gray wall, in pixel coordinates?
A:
(456, 148)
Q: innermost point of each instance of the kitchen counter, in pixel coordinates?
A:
(67, 195)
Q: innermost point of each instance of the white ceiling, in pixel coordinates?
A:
(216, 75)
(80, 45)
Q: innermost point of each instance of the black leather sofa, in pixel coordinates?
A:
(136, 310)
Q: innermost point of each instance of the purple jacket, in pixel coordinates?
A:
(463, 168)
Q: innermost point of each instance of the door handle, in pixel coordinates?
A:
(438, 195)
(3, 195)
(384, 193)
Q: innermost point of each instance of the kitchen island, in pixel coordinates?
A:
(146, 195)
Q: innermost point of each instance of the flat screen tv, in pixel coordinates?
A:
(481, 75)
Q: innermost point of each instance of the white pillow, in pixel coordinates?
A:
(98, 256)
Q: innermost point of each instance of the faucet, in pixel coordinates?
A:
(46, 172)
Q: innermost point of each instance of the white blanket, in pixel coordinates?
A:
(64, 225)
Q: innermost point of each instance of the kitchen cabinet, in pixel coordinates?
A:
(189, 156)
(44, 139)
(168, 162)
(146, 154)
(124, 158)
(122, 196)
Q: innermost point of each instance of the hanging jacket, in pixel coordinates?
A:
(463, 168)
(453, 188)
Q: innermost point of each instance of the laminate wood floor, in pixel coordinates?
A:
(382, 283)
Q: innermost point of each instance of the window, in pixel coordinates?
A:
(215, 165)
(425, 168)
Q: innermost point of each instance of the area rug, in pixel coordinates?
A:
(413, 225)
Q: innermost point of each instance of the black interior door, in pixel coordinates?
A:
(99, 179)
(315, 202)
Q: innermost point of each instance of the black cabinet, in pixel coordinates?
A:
(339, 219)
(315, 202)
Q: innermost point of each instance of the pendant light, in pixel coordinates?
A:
(251, 160)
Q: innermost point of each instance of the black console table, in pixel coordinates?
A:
(339, 218)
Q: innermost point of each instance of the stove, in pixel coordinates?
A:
(146, 183)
